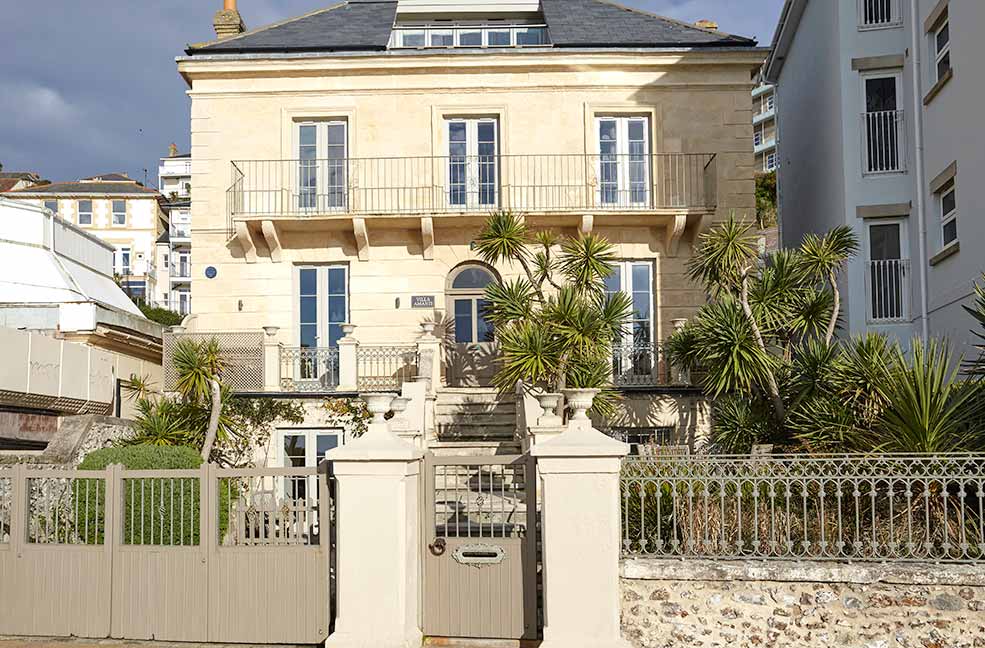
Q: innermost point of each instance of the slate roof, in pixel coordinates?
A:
(96, 188)
(6, 184)
(355, 25)
(110, 177)
(365, 25)
(599, 23)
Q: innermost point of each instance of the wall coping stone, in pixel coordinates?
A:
(801, 571)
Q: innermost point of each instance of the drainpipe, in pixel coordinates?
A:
(917, 48)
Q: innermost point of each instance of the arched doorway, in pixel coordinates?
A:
(472, 348)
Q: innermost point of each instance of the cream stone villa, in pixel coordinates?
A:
(344, 161)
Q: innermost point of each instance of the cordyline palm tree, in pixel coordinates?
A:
(195, 414)
(555, 324)
(762, 309)
(976, 366)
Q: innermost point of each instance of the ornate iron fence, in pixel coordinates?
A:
(861, 508)
(386, 368)
(241, 355)
(309, 370)
(639, 365)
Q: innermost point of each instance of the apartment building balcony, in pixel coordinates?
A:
(883, 142)
(180, 234)
(180, 273)
(765, 145)
(663, 187)
(763, 116)
(887, 284)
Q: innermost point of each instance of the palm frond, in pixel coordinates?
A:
(503, 238)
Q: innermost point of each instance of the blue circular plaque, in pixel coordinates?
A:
(211, 272)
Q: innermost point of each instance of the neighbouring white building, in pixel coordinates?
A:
(68, 332)
(881, 130)
(764, 127)
(116, 209)
(174, 246)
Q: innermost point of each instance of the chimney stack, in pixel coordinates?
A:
(228, 22)
(704, 24)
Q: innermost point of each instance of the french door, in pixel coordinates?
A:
(634, 357)
(322, 308)
(883, 124)
(473, 163)
(322, 166)
(624, 161)
(888, 272)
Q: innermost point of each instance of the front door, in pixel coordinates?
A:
(480, 560)
(470, 358)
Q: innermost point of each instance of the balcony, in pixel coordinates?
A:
(533, 184)
(254, 362)
(879, 14)
(181, 272)
(180, 232)
(883, 142)
(887, 285)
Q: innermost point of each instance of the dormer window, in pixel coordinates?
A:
(484, 34)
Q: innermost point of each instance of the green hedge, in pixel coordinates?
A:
(160, 512)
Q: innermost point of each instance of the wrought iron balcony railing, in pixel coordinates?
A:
(883, 142)
(453, 185)
(309, 369)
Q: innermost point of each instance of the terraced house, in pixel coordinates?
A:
(344, 161)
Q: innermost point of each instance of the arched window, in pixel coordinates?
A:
(467, 302)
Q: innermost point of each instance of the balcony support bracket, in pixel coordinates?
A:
(362, 238)
(246, 242)
(427, 238)
(587, 224)
(273, 241)
(675, 231)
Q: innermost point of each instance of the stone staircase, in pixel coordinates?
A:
(475, 420)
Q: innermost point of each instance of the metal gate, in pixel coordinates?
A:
(480, 554)
(209, 555)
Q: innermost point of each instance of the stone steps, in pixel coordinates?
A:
(475, 415)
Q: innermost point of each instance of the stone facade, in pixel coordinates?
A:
(666, 604)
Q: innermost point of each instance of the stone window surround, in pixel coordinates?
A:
(937, 186)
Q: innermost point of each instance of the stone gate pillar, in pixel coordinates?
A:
(378, 537)
(581, 532)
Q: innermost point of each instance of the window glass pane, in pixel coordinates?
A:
(473, 277)
(607, 131)
(309, 281)
(530, 36)
(948, 203)
(470, 38)
(880, 94)
(309, 336)
(463, 321)
(336, 135)
(336, 281)
(442, 38)
(499, 37)
(641, 305)
(637, 131)
(943, 37)
(294, 447)
(334, 334)
(613, 283)
(943, 65)
(951, 231)
(309, 310)
(641, 277)
(336, 309)
(307, 135)
(484, 328)
(324, 443)
(412, 38)
(884, 242)
(457, 132)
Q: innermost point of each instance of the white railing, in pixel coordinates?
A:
(883, 142)
(878, 14)
(888, 287)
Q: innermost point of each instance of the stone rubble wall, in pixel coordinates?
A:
(705, 604)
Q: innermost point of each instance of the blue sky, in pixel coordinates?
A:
(91, 87)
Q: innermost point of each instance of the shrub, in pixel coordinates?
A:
(162, 316)
(159, 511)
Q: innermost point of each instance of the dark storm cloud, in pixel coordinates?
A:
(91, 87)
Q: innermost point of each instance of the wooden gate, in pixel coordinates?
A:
(480, 554)
(209, 555)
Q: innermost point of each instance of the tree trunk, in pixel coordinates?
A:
(778, 406)
(835, 311)
(213, 428)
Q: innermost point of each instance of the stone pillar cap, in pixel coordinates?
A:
(580, 441)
